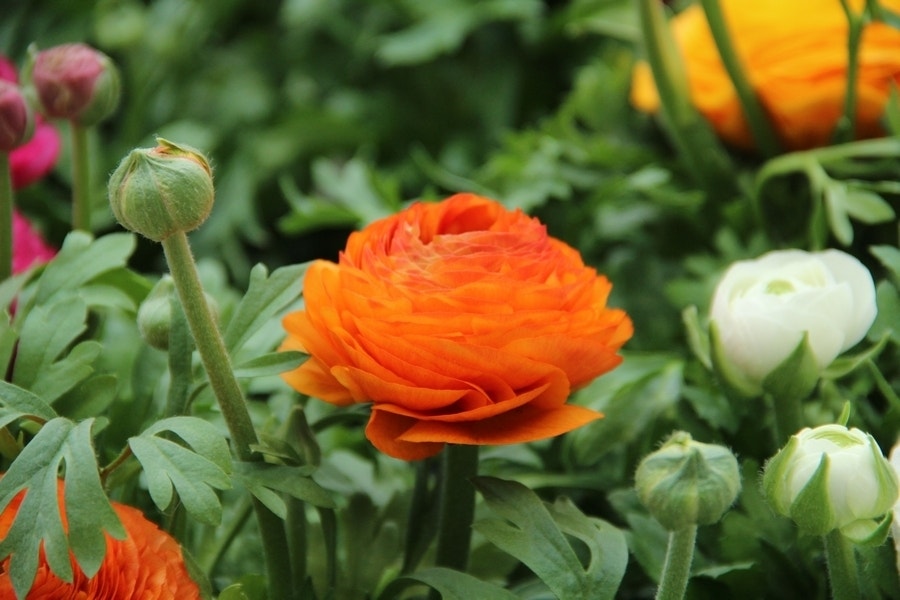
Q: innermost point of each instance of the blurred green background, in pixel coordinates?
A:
(322, 115)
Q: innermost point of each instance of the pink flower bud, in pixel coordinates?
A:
(16, 119)
(76, 82)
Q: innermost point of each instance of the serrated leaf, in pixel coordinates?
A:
(195, 472)
(38, 522)
(527, 530)
(265, 296)
(272, 363)
(265, 481)
(17, 403)
(80, 260)
(63, 375)
(45, 334)
(452, 585)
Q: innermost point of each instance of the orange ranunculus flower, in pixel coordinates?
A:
(461, 322)
(146, 565)
(794, 54)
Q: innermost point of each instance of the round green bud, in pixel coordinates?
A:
(75, 82)
(154, 318)
(160, 191)
(687, 483)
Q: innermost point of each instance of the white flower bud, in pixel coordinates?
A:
(762, 309)
(831, 478)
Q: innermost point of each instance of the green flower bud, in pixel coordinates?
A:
(831, 478)
(687, 483)
(16, 117)
(154, 318)
(160, 191)
(75, 82)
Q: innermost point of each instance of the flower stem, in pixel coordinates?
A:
(215, 359)
(6, 210)
(677, 567)
(81, 178)
(841, 567)
(846, 127)
(757, 119)
(788, 418)
(692, 136)
(456, 505)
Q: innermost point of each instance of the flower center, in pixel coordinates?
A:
(778, 287)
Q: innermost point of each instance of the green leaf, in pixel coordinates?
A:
(38, 521)
(452, 585)
(846, 364)
(61, 376)
(82, 259)
(835, 196)
(46, 333)
(193, 472)
(889, 256)
(533, 533)
(8, 339)
(867, 207)
(17, 403)
(632, 397)
(266, 482)
(265, 296)
(10, 287)
(89, 399)
(272, 363)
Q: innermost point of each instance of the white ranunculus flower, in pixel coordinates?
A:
(859, 484)
(762, 308)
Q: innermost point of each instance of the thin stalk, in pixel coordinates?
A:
(297, 540)
(757, 120)
(846, 127)
(841, 567)
(788, 418)
(456, 506)
(418, 532)
(231, 401)
(691, 135)
(6, 211)
(81, 178)
(677, 568)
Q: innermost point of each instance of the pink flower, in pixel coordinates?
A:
(34, 159)
(29, 248)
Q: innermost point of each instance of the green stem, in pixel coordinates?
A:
(81, 178)
(297, 540)
(788, 418)
(419, 533)
(456, 508)
(757, 120)
(6, 211)
(691, 135)
(231, 401)
(214, 549)
(841, 567)
(846, 128)
(180, 350)
(677, 567)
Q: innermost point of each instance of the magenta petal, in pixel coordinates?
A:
(29, 248)
(8, 70)
(36, 158)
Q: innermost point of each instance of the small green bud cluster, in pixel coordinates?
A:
(687, 483)
(157, 192)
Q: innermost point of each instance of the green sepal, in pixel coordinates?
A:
(811, 510)
(731, 378)
(774, 475)
(796, 376)
(869, 532)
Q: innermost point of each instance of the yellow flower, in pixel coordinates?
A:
(794, 54)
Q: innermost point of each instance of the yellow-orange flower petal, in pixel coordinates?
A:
(146, 565)
(461, 322)
(794, 54)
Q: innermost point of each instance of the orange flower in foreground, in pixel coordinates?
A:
(794, 54)
(461, 322)
(146, 565)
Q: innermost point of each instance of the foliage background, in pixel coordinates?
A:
(323, 115)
